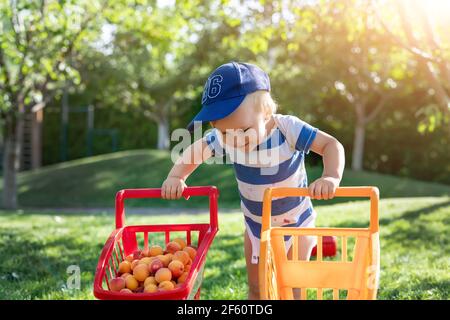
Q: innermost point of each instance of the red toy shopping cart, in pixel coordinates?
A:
(123, 241)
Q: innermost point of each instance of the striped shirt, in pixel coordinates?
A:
(276, 162)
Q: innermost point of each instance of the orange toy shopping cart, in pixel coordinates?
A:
(354, 276)
(123, 242)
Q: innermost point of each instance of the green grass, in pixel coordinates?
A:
(37, 247)
(93, 182)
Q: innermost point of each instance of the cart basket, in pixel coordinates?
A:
(123, 242)
(353, 275)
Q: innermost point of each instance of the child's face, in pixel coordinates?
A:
(245, 128)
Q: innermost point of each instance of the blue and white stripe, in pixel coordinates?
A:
(286, 147)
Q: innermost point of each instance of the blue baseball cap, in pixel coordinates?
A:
(227, 87)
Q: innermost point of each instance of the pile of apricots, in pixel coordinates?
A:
(154, 269)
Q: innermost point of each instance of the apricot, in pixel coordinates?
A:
(150, 280)
(140, 272)
(125, 267)
(173, 247)
(150, 288)
(134, 264)
(125, 290)
(182, 256)
(155, 266)
(145, 253)
(129, 258)
(155, 251)
(187, 267)
(181, 242)
(191, 251)
(131, 283)
(146, 260)
(165, 259)
(183, 277)
(163, 274)
(166, 285)
(177, 268)
(125, 275)
(117, 284)
(169, 255)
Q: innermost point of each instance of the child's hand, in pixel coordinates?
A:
(172, 188)
(323, 188)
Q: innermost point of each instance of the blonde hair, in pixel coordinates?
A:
(263, 102)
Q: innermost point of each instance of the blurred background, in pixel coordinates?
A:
(91, 90)
(83, 78)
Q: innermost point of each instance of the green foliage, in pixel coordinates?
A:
(37, 40)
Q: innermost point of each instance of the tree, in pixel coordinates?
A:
(37, 41)
(344, 54)
(421, 40)
(366, 78)
(161, 64)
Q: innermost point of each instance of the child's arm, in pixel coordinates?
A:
(333, 155)
(192, 157)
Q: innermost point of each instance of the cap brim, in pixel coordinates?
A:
(217, 110)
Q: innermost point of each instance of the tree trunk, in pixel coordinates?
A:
(358, 146)
(20, 124)
(163, 134)
(11, 159)
(36, 137)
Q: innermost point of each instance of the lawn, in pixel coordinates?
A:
(93, 182)
(38, 247)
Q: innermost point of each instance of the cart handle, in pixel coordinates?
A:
(211, 191)
(370, 192)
